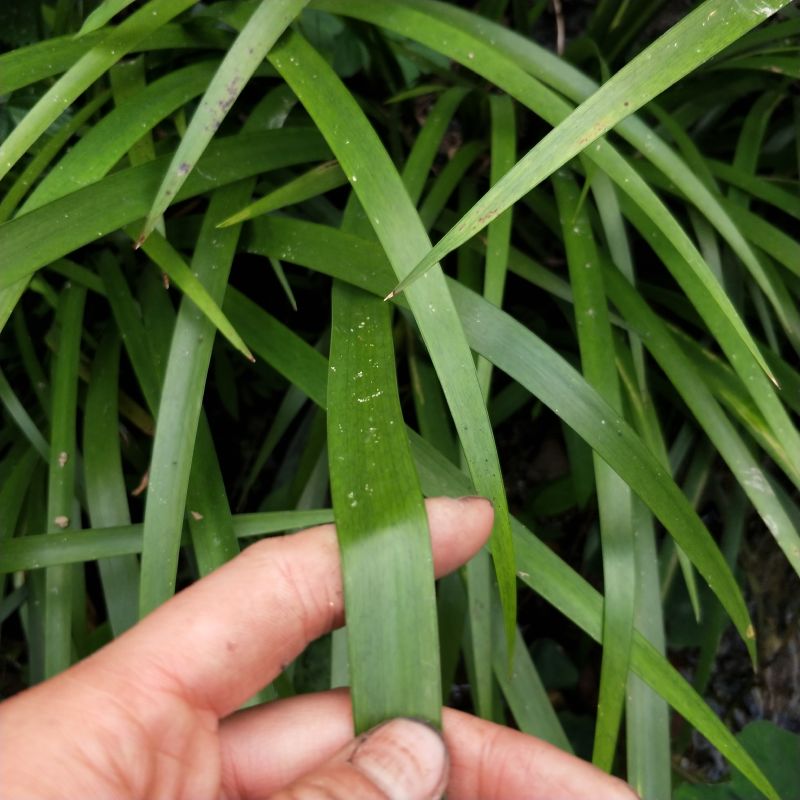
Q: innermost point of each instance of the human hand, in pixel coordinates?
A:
(153, 715)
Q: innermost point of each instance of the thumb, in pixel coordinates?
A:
(402, 759)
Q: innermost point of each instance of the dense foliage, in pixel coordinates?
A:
(223, 317)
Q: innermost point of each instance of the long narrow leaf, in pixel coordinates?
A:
(106, 499)
(382, 527)
(613, 495)
(313, 183)
(72, 547)
(110, 138)
(102, 14)
(172, 263)
(474, 42)
(181, 399)
(61, 481)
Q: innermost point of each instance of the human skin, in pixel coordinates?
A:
(154, 714)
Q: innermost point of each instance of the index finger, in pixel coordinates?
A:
(228, 635)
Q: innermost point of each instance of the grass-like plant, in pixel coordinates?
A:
(174, 170)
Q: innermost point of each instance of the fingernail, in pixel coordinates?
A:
(405, 758)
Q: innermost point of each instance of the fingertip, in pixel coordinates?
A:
(459, 528)
(404, 758)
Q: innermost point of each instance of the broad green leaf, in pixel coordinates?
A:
(86, 71)
(549, 576)
(263, 28)
(398, 228)
(382, 527)
(478, 572)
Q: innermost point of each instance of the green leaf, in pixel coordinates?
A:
(498, 242)
(382, 527)
(40, 162)
(17, 411)
(538, 566)
(179, 409)
(427, 144)
(316, 181)
(691, 385)
(63, 458)
(170, 261)
(468, 39)
(263, 28)
(106, 499)
(613, 495)
(46, 550)
(102, 14)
